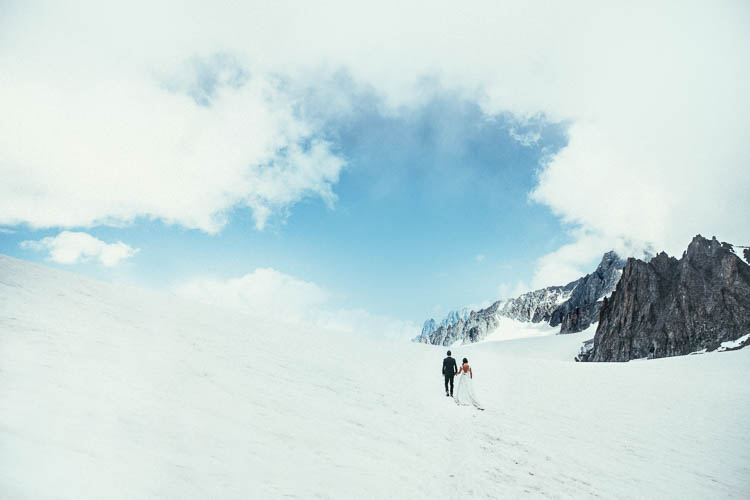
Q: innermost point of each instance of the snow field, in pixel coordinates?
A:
(114, 392)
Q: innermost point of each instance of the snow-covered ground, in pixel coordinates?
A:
(509, 329)
(112, 392)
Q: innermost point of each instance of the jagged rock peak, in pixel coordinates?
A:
(429, 326)
(609, 259)
(451, 318)
(582, 308)
(670, 307)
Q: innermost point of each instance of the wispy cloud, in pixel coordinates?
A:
(479, 257)
(513, 290)
(185, 145)
(270, 293)
(528, 138)
(265, 290)
(579, 257)
(70, 247)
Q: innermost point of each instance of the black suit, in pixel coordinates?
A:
(449, 371)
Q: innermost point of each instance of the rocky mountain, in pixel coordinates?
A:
(573, 306)
(539, 305)
(451, 318)
(671, 307)
(582, 308)
(471, 329)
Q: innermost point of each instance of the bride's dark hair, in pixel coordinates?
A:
(466, 360)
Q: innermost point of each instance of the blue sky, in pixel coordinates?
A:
(432, 213)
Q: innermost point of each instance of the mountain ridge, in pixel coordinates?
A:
(574, 306)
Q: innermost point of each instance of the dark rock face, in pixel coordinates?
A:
(582, 308)
(670, 307)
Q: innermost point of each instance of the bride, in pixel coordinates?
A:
(464, 394)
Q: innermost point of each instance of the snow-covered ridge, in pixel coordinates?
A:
(572, 308)
(451, 318)
(537, 305)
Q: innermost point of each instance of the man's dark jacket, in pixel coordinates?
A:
(449, 367)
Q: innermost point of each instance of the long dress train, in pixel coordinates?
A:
(464, 393)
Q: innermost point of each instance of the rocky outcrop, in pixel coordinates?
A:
(573, 306)
(428, 327)
(582, 308)
(671, 307)
(451, 318)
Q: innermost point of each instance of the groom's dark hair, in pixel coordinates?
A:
(449, 353)
(466, 360)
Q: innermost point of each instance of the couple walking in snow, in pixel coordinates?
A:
(464, 394)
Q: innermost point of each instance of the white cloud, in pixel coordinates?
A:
(654, 95)
(528, 138)
(5, 230)
(71, 247)
(512, 290)
(264, 291)
(476, 306)
(128, 131)
(479, 257)
(581, 256)
(123, 150)
(656, 153)
(362, 322)
(269, 293)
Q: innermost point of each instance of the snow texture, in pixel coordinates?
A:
(112, 392)
(734, 344)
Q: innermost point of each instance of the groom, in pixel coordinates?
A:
(449, 371)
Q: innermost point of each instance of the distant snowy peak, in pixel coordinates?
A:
(450, 319)
(429, 326)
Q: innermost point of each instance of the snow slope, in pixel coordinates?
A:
(113, 392)
(510, 329)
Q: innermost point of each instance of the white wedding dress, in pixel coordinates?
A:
(464, 393)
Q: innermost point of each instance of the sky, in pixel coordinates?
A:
(370, 164)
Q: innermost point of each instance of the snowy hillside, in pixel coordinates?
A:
(113, 392)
